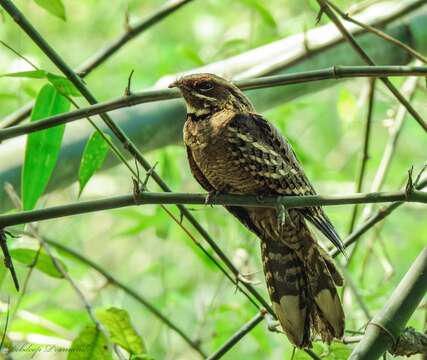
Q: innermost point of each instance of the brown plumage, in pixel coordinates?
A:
(232, 149)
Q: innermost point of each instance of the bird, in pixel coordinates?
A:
(231, 149)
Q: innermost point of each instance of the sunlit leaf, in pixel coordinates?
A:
(35, 324)
(44, 262)
(42, 147)
(61, 83)
(31, 74)
(90, 344)
(55, 7)
(94, 154)
(121, 331)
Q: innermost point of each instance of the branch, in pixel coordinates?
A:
(365, 153)
(369, 223)
(154, 126)
(101, 56)
(384, 330)
(365, 57)
(379, 33)
(200, 199)
(335, 72)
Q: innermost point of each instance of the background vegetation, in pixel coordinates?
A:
(142, 246)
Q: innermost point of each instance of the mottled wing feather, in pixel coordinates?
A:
(261, 150)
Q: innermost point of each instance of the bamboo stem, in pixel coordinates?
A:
(200, 199)
(384, 329)
(335, 72)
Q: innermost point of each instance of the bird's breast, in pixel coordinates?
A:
(213, 154)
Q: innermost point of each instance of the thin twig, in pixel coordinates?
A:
(365, 152)
(366, 58)
(379, 33)
(200, 199)
(335, 72)
(7, 260)
(19, 55)
(374, 219)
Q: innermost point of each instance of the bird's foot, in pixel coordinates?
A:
(246, 278)
(211, 196)
(272, 324)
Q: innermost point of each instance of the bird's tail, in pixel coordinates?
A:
(301, 280)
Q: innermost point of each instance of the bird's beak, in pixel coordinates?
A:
(172, 85)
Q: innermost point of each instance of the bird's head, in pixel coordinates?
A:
(208, 93)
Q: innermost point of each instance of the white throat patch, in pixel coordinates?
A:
(197, 112)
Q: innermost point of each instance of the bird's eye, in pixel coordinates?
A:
(205, 86)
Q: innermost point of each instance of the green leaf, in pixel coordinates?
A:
(121, 331)
(62, 84)
(141, 357)
(55, 7)
(94, 154)
(32, 74)
(90, 344)
(44, 262)
(42, 147)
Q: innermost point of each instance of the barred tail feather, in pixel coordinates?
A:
(301, 280)
(327, 313)
(287, 287)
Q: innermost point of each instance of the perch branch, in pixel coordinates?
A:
(200, 199)
(335, 72)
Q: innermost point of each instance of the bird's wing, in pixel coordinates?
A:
(262, 151)
(197, 173)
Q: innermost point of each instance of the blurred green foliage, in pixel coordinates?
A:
(142, 246)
